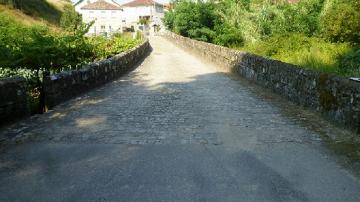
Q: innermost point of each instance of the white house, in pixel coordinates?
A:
(148, 9)
(107, 15)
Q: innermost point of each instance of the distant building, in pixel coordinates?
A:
(107, 15)
(110, 17)
(142, 9)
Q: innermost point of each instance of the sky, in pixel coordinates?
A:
(125, 1)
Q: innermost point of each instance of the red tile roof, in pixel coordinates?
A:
(101, 5)
(140, 3)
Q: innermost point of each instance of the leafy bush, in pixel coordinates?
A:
(229, 36)
(169, 19)
(28, 51)
(235, 22)
(349, 63)
(340, 21)
(236, 18)
(70, 19)
(193, 19)
(297, 33)
(37, 47)
(105, 48)
(302, 17)
(25, 73)
(309, 52)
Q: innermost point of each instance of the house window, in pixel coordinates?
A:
(159, 9)
(103, 11)
(102, 29)
(144, 17)
(113, 11)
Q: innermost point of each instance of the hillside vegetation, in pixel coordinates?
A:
(38, 36)
(31, 12)
(318, 34)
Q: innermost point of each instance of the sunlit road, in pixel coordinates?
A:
(174, 129)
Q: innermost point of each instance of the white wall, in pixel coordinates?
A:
(118, 19)
(108, 21)
(132, 14)
(105, 20)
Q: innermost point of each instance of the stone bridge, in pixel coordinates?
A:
(178, 129)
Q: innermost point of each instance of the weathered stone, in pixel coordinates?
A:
(13, 99)
(65, 85)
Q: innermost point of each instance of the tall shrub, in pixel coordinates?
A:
(340, 20)
(70, 19)
(193, 19)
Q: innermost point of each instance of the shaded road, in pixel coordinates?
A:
(175, 129)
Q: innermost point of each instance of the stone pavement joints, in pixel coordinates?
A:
(169, 94)
(174, 98)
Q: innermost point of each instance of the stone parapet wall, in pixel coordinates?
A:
(13, 99)
(224, 57)
(65, 85)
(336, 98)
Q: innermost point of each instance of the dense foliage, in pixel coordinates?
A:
(193, 20)
(37, 47)
(105, 47)
(70, 19)
(41, 9)
(341, 21)
(29, 51)
(320, 34)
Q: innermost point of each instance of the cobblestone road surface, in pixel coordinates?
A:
(176, 129)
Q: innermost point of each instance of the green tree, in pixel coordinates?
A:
(193, 19)
(70, 19)
(340, 21)
(169, 20)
